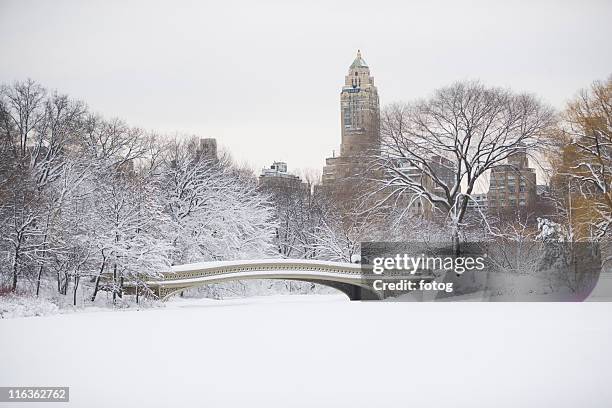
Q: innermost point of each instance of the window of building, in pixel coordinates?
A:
(347, 117)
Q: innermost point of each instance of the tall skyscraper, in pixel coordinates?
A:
(360, 124)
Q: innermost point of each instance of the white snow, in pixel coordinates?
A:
(318, 351)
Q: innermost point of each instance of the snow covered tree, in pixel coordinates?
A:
(216, 212)
(299, 211)
(129, 230)
(38, 131)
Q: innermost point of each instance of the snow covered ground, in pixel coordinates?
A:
(318, 351)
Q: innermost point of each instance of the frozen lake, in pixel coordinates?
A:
(313, 351)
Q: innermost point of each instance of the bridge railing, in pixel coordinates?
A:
(275, 265)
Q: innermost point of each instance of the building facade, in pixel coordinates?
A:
(513, 185)
(360, 124)
(277, 177)
(479, 201)
(207, 149)
(415, 205)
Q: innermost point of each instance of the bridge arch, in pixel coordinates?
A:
(344, 277)
(352, 291)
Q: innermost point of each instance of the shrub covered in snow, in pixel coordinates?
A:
(25, 306)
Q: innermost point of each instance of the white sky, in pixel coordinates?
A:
(264, 77)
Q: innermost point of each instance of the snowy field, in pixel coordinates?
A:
(318, 351)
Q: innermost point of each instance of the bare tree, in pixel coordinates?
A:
(462, 131)
(23, 105)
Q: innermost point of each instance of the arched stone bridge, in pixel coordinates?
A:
(345, 277)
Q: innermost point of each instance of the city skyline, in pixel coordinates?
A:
(215, 72)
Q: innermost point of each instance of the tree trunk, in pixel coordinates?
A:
(14, 288)
(15, 270)
(65, 284)
(74, 291)
(121, 288)
(97, 286)
(95, 292)
(114, 284)
(40, 271)
(455, 240)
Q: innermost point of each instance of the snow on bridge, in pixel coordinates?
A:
(351, 279)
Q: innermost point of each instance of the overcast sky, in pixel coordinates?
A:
(264, 77)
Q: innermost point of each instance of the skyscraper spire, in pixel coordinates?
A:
(359, 62)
